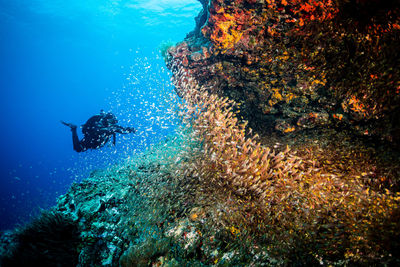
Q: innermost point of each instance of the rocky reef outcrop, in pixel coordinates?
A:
(321, 77)
(298, 65)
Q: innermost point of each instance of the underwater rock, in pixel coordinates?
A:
(283, 126)
(313, 119)
(268, 54)
(100, 205)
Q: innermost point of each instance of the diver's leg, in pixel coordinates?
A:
(70, 125)
(75, 140)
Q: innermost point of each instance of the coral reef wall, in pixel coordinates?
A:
(300, 64)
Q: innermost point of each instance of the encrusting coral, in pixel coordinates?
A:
(284, 59)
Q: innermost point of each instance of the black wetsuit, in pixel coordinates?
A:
(97, 131)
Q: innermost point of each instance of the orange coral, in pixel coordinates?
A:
(225, 28)
(356, 105)
(338, 116)
(288, 130)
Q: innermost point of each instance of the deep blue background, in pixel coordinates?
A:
(67, 60)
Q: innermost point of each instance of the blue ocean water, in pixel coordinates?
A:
(67, 60)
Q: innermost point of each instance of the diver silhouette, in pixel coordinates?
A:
(97, 131)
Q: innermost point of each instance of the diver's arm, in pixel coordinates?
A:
(123, 130)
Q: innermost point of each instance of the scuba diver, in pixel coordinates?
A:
(97, 131)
